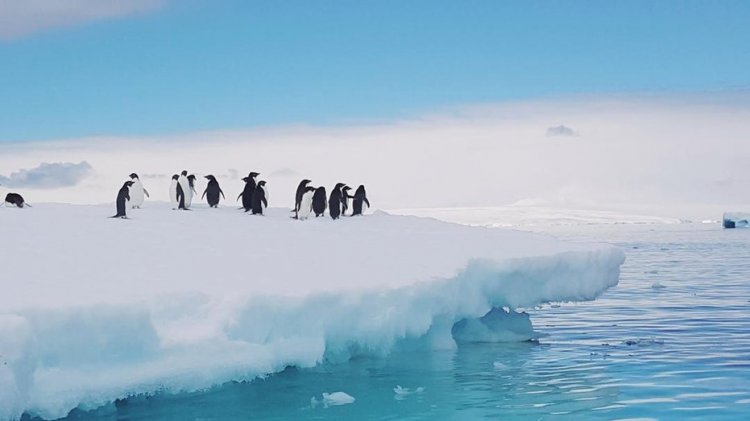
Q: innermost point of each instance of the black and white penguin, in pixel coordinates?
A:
(260, 200)
(193, 192)
(319, 201)
(335, 201)
(345, 196)
(301, 188)
(123, 196)
(247, 192)
(137, 192)
(173, 199)
(187, 191)
(213, 191)
(306, 203)
(15, 199)
(360, 202)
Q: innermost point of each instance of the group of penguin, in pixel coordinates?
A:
(254, 196)
(310, 199)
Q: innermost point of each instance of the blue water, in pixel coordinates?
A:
(671, 341)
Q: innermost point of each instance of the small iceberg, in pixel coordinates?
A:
(332, 399)
(736, 220)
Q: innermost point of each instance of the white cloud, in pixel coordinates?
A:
(20, 18)
(638, 155)
(561, 131)
(48, 175)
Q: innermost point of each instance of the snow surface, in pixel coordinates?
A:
(94, 309)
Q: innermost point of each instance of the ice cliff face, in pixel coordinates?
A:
(95, 309)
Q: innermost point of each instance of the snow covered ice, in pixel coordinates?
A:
(94, 309)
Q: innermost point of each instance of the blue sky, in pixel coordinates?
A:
(184, 66)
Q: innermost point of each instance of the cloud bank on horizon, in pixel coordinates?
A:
(48, 175)
(658, 157)
(23, 18)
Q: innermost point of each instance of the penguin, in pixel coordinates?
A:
(136, 192)
(193, 193)
(15, 199)
(345, 196)
(335, 201)
(247, 192)
(319, 201)
(123, 196)
(259, 201)
(213, 191)
(173, 198)
(306, 203)
(187, 192)
(301, 189)
(360, 202)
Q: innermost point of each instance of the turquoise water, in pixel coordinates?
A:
(672, 341)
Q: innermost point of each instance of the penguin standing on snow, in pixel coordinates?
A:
(319, 201)
(345, 196)
(306, 203)
(123, 196)
(15, 199)
(137, 192)
(173, 191)
(260, 200)
(247, 192)
(360, 202)
(187, 191)
(213, 191)
(335, 201)
(193, 193)
(301, 189)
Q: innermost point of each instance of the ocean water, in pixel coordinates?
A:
(671, 341)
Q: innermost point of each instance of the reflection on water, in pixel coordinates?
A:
(671, 341)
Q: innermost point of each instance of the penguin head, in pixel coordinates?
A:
(361, 188)
(339, 185)
(309, 188)
(245, 179)
(262, 183)
(253, 175)
(346, 188)
(175, 177)
(184, 172)
(305, 182)
(128, 184)
(133, 176)
(191, 177)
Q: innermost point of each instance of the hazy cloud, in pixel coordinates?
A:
(19, 18)
(285, 172)
(48, 175)
(561, 131)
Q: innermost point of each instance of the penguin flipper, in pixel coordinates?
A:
(146, 193)
(222, 194)
(204, 193)
(265, 202)
(238, 197)
(368, 202)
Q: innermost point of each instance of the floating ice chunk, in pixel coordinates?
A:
(332, 399)
(497, 325)
(497, 365)
(406, 391)
(736, 220)
(657, 285)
